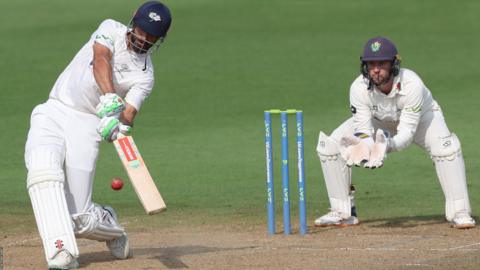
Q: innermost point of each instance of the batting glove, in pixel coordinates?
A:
(110, 105)
(379, 150)
(110, 127)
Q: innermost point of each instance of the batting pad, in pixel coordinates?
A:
(446, 154)
(337, 175)
(97, 224)
(46, 190)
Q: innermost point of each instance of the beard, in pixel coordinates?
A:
(379, 80)
(137, 45)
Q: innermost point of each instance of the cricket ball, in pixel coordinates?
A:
(117, 183)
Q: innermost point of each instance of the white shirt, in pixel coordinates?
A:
(76, 86)
(401, 110)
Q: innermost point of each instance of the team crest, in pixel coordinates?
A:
(376, 46)
(154, 17)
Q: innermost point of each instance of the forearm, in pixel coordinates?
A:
(127, 116)
(102, 71)
(405, 131)
(102, 68)
(361, 114)
(400, 141)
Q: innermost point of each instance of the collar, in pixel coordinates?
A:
(396, 88)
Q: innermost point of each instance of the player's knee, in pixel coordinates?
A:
(327, 146)
(445, 148)
(44, 165)
(44, 176)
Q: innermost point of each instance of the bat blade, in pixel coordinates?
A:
(139, 175)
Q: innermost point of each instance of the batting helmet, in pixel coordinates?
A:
(154, 18)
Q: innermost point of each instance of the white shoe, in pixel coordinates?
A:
(120, 246)
(62, 260)
(334, 218)
(463, 221)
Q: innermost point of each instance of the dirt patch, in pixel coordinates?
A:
(373, 245)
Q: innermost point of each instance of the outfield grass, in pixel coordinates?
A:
(224, 62)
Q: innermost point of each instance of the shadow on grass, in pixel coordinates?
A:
(170, 257)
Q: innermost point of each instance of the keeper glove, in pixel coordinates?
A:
(355, 150)
(379, 150)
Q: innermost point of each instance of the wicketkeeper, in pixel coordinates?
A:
(95, 98)
(391, 108)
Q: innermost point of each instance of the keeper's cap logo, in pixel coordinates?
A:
(154, 17)
(376, 46)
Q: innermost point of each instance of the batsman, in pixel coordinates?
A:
(391, 108)
(95, 98)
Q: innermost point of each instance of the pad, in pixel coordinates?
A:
(336, 173)
(447, 156)
(45, 184)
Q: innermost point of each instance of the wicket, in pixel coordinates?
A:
(285, 170)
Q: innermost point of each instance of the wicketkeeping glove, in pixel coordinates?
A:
(110, 127)
(355, 150)
(110, 105)
(379, 150)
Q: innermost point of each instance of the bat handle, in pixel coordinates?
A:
(120, 135)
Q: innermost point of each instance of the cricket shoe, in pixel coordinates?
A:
(63, 260)
(334, 218)
(463, 221)
(120, 246)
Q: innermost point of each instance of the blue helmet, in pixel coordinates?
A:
(154, 18)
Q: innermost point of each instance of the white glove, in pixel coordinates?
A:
(110, 105)
(110, 127)
(379, 150)
(354, 150)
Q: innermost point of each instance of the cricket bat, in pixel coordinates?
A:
(139, 176)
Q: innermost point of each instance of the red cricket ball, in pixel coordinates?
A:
(117, 183)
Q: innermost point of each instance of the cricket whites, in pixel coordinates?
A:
(139, 176)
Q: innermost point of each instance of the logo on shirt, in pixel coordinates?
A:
(107, 39)
(414, 109)
(123, 68)
(353, 109)
(154, 17)
(376, 46)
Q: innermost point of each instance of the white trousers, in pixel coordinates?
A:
(72, 136)
(432, 135)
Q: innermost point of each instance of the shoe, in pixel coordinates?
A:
(120, 246)
(463, 221)
(334, 218)
(63, 260)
